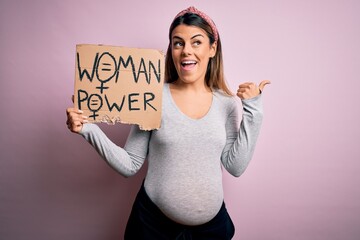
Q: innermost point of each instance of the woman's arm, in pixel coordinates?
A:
(241, 141)
(128, 160)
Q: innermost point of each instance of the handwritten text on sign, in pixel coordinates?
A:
(119, 84)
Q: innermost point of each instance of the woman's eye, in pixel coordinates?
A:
(178, 44)
(197, 43)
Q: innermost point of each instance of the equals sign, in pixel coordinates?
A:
(106, 69)
(94, 102)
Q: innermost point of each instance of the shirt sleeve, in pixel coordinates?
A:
(128, 160)
(241, 141)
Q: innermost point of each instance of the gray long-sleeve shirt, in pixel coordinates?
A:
(184, 176)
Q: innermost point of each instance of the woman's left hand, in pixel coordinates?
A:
(250, 90)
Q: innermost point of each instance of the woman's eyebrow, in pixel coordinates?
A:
(197, 35)
(177, 37)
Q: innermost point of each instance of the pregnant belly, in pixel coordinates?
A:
(191, 201)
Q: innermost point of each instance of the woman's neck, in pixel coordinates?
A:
(195, 87)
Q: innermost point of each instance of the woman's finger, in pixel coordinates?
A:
(263, 84)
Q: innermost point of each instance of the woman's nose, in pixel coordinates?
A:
(187, 49)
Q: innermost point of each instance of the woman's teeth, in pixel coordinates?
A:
(185, 63)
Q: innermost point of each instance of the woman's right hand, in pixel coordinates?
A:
(75, 119)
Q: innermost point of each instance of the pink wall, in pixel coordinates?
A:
(303, 182)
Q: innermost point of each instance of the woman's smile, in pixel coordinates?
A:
(188, 65)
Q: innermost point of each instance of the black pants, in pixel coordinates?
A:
(147, 222)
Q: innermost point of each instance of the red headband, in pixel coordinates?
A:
(203, 16)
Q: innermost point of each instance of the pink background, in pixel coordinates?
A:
(303, 181)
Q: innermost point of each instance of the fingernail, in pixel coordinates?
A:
(80, 111)
(85, 121)
(84, 117)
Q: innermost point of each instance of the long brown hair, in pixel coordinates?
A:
(214, 76)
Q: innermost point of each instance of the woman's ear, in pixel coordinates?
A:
(213, 48)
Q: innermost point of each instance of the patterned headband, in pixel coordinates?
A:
(203, 16)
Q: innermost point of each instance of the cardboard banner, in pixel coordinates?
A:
(119, 84)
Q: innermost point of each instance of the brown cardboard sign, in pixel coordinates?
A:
(119, 84)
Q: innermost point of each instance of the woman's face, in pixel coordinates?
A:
(191, 51)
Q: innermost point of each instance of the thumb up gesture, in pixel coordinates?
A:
(249, 90)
